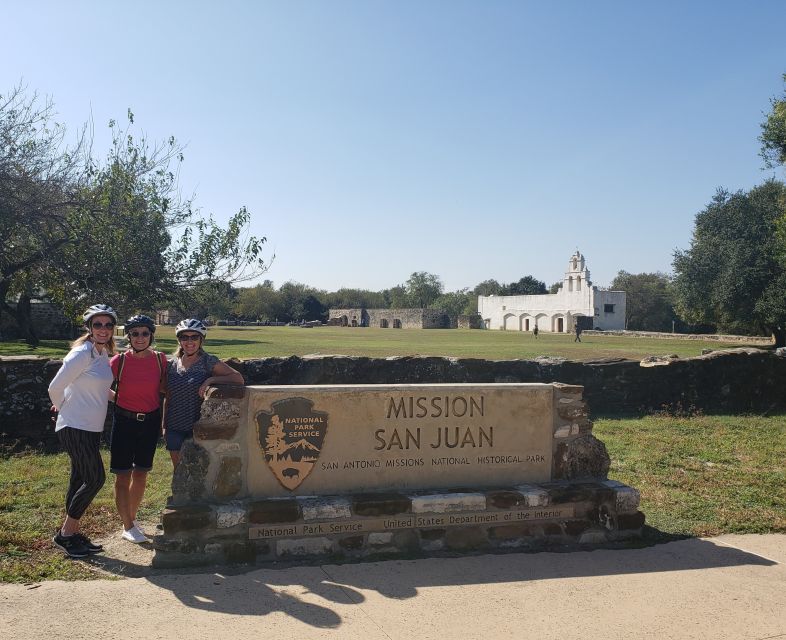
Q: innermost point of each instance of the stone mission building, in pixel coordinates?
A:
(577, 302)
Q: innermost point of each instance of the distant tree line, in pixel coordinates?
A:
(294, 301)
(80, 229)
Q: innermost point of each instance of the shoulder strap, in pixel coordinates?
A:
(160, 355)
(120, 364)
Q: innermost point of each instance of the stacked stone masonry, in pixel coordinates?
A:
(211, 518)
(521, 517)
(729, 381)
(392, 318)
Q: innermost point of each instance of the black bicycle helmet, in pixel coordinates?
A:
(139, 321)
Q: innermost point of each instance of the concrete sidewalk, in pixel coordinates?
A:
(731, 587)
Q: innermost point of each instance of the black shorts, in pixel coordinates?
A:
(133, 443)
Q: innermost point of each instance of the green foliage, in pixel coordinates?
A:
(40, 181)
(397, 297)
(773, 132)
(528, 285)
(355, 298)
(555, 287)
(260, 302)
(733, 275)
(456, 302)
(115, 231)
(300, 302)
(525, 286)
(423, 289)
(488, 288)
(649, 300)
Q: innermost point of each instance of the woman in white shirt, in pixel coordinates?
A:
(79, 392)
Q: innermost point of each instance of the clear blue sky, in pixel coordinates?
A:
(473, 140)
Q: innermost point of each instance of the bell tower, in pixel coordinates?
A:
(577, 277)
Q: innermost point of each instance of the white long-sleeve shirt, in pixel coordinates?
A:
(80, 390)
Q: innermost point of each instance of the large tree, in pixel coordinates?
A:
(422, 289)
(773, 132)
(456, 303)
(346, 298)
(732, 275)
(488, 288)
(526, 286)
(41, 180)
(648, 300)
(114, 230)
(260, 302)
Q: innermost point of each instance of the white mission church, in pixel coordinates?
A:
(577, 302)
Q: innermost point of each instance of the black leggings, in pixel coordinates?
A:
(87, 468)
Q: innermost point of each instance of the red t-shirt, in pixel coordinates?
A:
(139, 382)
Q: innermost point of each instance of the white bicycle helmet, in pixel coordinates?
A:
(99, 310)
(191, 324)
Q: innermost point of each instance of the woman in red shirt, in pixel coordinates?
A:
(139, 375)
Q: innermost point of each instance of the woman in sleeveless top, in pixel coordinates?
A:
(139, 375)
(189, 374)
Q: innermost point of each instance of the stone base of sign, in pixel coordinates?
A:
(526, 474)
(527, 517)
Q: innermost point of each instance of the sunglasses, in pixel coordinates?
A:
(140, 334)
(189, 338)
(105, 325)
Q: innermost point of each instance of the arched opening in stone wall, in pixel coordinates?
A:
(509, 322)
(344, 321)
(354, 322)
(383, 324)
(560, 325)
(578, 283)
(526, 324)
(570, 283)
(396, 323)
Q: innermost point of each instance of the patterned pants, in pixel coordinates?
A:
(87, 468)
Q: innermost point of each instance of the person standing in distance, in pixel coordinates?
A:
(189, 374)
(139, 377)
(80, 392)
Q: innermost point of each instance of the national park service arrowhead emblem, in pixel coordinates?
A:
(291, 434)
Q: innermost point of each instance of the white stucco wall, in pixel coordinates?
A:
(557, 312)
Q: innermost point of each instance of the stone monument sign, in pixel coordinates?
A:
(359, 470)
(339, 439)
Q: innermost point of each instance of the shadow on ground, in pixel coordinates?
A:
(259, 591)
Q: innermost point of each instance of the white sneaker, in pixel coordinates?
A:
(134, 535)
(138, 525)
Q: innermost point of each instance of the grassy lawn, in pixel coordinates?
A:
(257, 342)
(32, 494)
(701, 475)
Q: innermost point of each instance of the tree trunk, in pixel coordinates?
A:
(779, 333)
(23, 319)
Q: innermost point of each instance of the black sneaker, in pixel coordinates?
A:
(71, 545)
(91, 546)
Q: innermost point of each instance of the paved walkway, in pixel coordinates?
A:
(727, 587)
